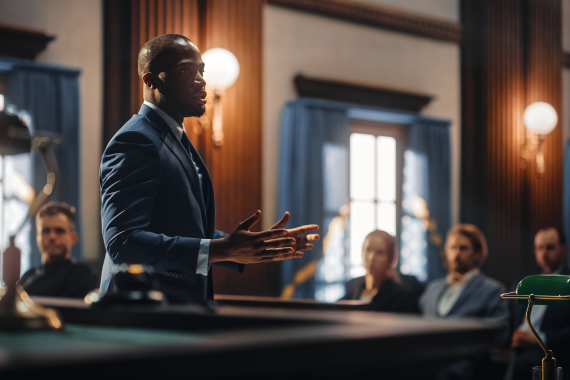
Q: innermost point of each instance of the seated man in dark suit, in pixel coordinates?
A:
(58, 276)
(466, 292)
(551, 323)
(378, 285)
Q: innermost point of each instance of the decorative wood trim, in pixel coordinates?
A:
(360, 94)
(566, 59)
(380, 17)
(22, 43)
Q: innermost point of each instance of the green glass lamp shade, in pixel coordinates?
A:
(14, 135)
(551, 285)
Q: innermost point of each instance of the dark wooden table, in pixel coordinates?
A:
(283, 340)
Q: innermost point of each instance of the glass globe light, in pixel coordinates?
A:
(540, 118)
(222, 68)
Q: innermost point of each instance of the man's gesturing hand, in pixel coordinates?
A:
(244, 247)
(301, 242)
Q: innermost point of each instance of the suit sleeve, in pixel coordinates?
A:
(129, 178)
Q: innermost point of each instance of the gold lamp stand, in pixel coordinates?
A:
(17, 310)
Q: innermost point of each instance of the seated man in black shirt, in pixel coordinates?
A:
(378, 285)
(58, 276)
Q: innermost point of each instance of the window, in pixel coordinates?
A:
(376, 160)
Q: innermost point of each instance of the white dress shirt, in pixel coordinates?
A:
(537, 315)
(453, 291)
(202, 265)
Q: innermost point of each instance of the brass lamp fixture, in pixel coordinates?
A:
(539, 118)
(221, 71)
(545, 289)
(17, 310)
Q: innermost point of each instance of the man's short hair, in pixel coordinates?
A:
(152, 49)
(54, 208)
(474, 235)
(561, 236)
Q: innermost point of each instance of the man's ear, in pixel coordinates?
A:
(148, 80)
(74, 238)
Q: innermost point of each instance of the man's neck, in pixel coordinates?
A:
(556, 269)
(47, 259)
(457, 276)
(168, 110)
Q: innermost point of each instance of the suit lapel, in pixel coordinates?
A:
(178, 150)
(470, 287)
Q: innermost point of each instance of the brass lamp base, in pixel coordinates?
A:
(19, 313)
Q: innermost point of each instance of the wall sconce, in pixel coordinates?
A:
(539, 118)
(221, 71)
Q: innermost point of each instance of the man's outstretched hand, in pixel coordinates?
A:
(245, 247)
(301, 242)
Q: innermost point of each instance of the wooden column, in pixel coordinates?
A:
(511, 57)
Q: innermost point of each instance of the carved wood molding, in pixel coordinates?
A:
(567, 59)
(360, 94)
(21, 42)
(380, 17)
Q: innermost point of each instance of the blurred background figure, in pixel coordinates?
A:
(466, 292)
(378, 285)
(58, 275)
(552, 324)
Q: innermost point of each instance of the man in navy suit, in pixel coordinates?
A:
(157, 199)
(552, 323)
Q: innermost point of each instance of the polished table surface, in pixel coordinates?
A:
(290, 340)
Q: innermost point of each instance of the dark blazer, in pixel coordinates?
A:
(60, 279)
(555, 323)
(391, 297)
(153, 210)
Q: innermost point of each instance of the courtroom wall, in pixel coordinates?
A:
(297, 42)
(79, 43)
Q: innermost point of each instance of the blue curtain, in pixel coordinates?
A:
(430, 141)
(566, 192)
(305, 128)
(50, 94)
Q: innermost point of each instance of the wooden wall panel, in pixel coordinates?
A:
(236, 166)
(511, 57)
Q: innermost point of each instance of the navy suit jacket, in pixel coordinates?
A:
(153, 209)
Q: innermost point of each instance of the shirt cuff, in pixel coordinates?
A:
(202, 266)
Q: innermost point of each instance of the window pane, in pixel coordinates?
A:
(361, 224)
(386, 218)
(362, 166)
(386, 168)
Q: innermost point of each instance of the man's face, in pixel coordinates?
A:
(377, 260)
(548, 251)
(180, 82)
(55, 236)
(461, 256)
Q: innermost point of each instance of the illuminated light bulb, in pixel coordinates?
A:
(540, 118)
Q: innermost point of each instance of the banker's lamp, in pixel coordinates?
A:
(540, 118)
(543, 289)
(221, 71)
(17, 310)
